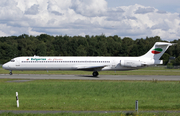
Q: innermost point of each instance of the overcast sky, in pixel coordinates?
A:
(130, 18)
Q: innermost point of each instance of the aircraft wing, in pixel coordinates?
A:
(90, 68)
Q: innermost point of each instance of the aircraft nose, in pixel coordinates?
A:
(5, 66)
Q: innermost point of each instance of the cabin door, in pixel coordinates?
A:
(113, 65)
(17, 62)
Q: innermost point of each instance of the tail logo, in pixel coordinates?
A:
(156, 50)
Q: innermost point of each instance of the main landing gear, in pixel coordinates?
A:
(95, 74)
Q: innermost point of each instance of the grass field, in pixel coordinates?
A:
(90, 95)
(144, 71)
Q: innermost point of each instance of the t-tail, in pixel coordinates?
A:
(157, 51)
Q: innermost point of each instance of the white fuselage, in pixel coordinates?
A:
(78, 63)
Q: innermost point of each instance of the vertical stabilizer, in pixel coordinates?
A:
(157, 50)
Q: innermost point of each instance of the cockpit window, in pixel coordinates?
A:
(12, 60)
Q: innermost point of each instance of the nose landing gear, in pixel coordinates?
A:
(10, 73)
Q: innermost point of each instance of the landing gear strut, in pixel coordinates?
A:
(95, 74)
(10, 72)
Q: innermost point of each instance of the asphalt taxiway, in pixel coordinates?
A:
(89, 77)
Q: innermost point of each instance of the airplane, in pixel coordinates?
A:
(88, 63)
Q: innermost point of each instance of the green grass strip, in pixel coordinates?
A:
(94, 114)
(70, 95)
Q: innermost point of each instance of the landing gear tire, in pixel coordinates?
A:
(95, 74)
(10, 73)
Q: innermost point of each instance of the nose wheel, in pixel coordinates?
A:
(10, 73)
(95, 74)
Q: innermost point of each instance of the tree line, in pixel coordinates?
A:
(100, 45)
